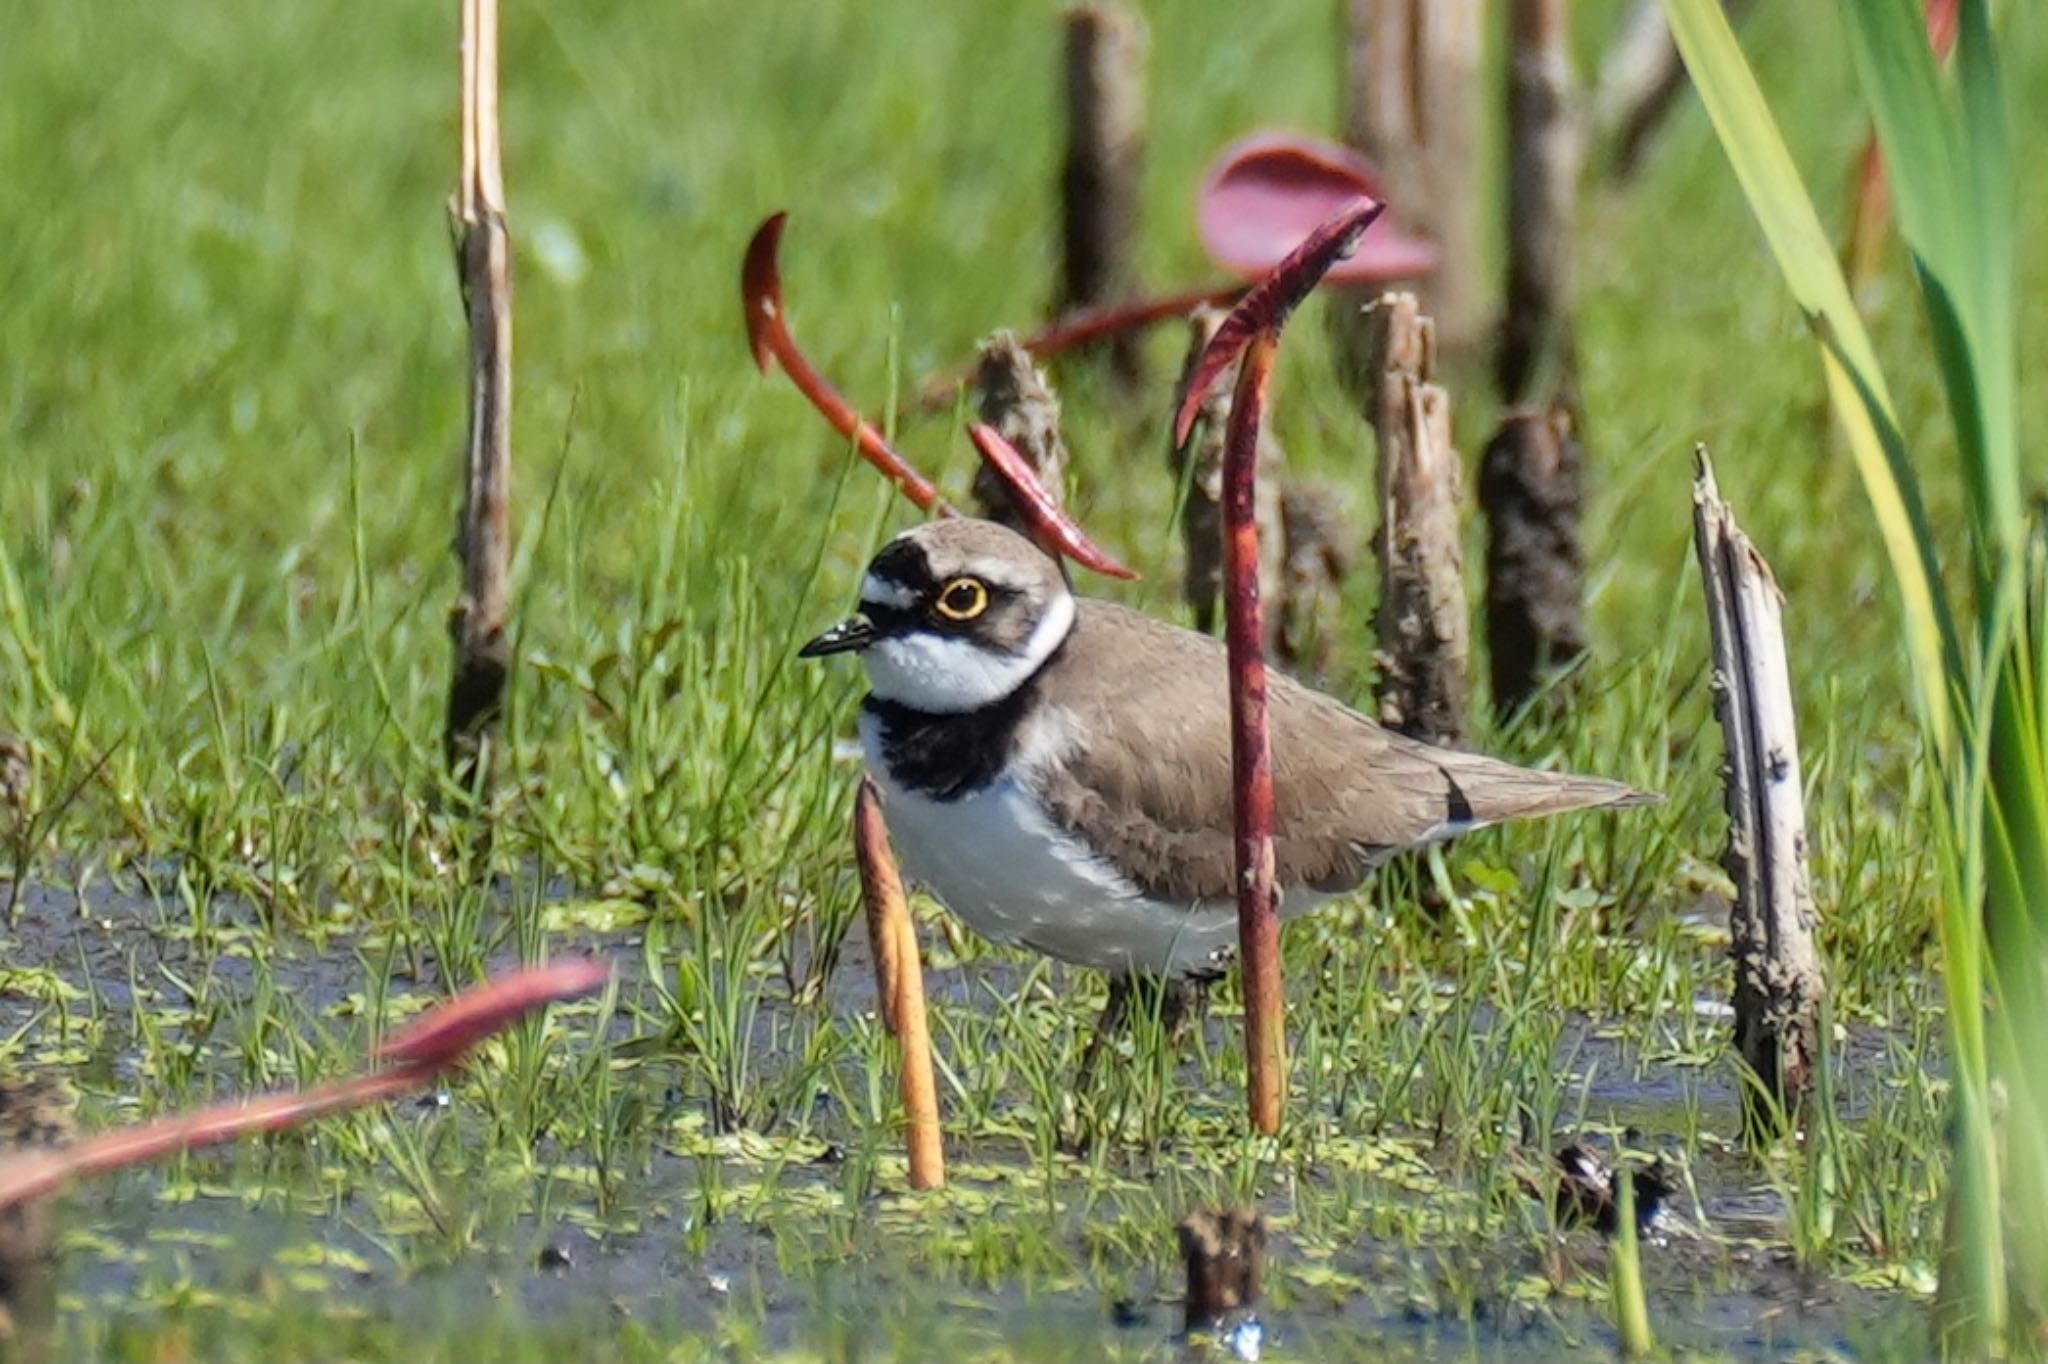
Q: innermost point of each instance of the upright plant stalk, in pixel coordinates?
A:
(1099, 183)
(1778, 981)
(1251, 749)
(899, 986)
(1412, 105)
(1535, 361)
(1249, 338)
(483, 649)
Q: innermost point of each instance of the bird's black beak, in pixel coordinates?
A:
(855, 632)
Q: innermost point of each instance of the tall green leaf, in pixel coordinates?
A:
(1945, 157)
(1861, 397)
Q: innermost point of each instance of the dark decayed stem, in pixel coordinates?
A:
(1099, 181)
(483, 649)
(1529, 484)
(1224, 1251)
(1535, 361)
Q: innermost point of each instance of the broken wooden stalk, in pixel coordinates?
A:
(1099, 181)
(769, 336)
(410, 1059)
(1018, 403)
(899, 986)
(1779, 983)
(483, 648)
(1249, 337)
(1423, 627)
(1224, 1252)
(1197, 466)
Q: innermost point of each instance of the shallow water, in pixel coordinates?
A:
(818, 1268)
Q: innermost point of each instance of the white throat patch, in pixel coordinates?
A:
(945, 675)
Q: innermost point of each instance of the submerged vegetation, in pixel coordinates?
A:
(229, 404)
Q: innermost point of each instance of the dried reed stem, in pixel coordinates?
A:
(483, 649)
(1016, 400)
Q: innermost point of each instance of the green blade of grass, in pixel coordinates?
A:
(1755, 149)
(1945, 158)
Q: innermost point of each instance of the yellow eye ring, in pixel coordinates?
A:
(962, 599)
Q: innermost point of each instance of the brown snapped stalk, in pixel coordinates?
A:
(1253, 330)
(899, 986)
(410, 1059)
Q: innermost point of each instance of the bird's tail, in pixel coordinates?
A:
(1497, 791)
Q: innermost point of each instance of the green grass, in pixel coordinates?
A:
(230, 407)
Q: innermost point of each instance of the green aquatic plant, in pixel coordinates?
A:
(1978, 656)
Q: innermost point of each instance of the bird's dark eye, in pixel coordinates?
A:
(963, 599)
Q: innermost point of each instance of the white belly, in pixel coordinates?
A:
(994, 859)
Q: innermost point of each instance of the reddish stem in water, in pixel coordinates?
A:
(899, 987)
(1056, 532)
(1251, 750)
(768, 334)
(441, 1035)
(1253, 328)
(435, 1041)
(1266, 306)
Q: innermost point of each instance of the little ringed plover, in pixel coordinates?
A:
(1056, 769)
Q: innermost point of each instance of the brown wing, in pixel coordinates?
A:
(1154, 782)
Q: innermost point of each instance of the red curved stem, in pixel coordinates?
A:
(768, 335)
(1056, 532)
(442, 1034)
(1251, 749)
(435, 1041)
(1266, 306)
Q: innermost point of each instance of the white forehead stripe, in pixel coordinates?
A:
(947, 674)
(886, 592)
